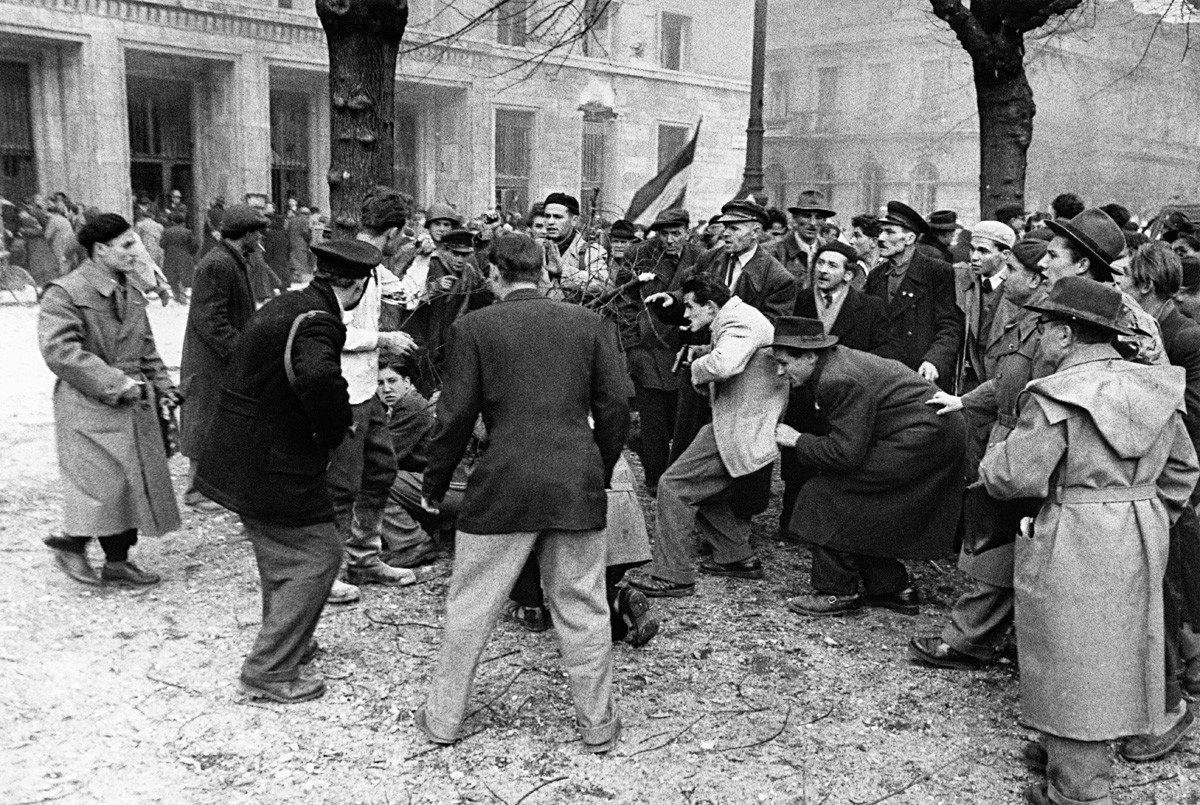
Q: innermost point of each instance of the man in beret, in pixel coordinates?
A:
(363, 467)
(283, 408)
(924, 322)
(110, 391)
(582, 264)
(981, 299)
(796, 250)
(223, 299)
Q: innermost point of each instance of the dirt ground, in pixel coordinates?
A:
(124, 696)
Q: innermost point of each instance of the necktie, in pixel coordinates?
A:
(729, 271)
(826, 298)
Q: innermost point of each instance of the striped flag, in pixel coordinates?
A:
(667, 189)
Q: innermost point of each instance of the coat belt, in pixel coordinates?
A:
(1110, 494)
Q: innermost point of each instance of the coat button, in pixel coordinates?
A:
(909, 333)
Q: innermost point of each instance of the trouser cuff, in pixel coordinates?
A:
(601, 733)
(1059, 798)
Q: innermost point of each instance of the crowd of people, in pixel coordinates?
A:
(1024, 393)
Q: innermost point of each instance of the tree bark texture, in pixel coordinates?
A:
(992, 32)
(363, 37)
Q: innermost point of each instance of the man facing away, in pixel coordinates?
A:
(535, 369)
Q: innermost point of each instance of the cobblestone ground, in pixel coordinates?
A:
(131, 696)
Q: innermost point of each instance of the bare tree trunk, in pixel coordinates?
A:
(1006, 111)
(363, 37)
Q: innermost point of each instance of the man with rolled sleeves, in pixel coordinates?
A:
(283, 407)
(925, 324)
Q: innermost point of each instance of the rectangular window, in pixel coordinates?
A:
(671, 140)
(514, 158)
(591, 169)
(675, 32)
(827, 88)
(512, 24)
(18, 177)
(289, 147)
(599, 17)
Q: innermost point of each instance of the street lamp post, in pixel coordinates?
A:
(752, 177)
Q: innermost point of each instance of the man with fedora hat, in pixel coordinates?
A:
(925, 324)
(660, 264)
(283, 407)
(886, 472)
(1102, 441)
(222, 301)
(797, 250)
(943, 229)
(981, 299)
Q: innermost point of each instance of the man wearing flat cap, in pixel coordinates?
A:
(981, 299)
(1102, 442)
(886, 472)
(582, 264)
(222, 301)
(283, 407)
(109, 392)
(797, 250)
(925, 324)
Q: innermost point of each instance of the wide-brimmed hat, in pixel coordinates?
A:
(797, 332)
(739, 211)
(675, 216)
(1097, 236)
(943, 221)
(352, 259)
(901, 214)
(812, 201)
(241, 219)
(1084, 299)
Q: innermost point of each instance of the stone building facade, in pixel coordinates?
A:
(874, 101)
(219, 98)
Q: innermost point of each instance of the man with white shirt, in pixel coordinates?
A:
(985, 311)
(363, 466)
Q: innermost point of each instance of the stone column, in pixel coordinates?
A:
(96, 122)
(318, 144)
(252, 124)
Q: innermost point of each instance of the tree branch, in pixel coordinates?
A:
(1037, 18)
(966, 27)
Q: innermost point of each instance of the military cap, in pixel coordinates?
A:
(675, 216)
(740, 211)
(570, 202)
(900, 214)
(242, 219)
(343, 257)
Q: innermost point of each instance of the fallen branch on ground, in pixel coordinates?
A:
(912, 782)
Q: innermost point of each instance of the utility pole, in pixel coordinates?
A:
(752, 177)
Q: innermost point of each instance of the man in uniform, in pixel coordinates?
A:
(283, 408)
(111, 386)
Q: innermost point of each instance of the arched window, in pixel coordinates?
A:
(923, 192)
(822, 180)
(872, 187)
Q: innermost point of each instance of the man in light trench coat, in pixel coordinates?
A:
(1088, 578)
(95, 337)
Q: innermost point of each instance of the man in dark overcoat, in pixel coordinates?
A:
(797, 250)
(887, 474)
(110, 384)
(535, 369)
(858, 319)
(925, 324)
(283, 407)
(222, 302)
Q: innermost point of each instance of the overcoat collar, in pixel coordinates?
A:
(521, 294)
(99, 278)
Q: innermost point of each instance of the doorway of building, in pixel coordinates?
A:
(160, 141)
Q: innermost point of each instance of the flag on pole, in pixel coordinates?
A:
(667, 189)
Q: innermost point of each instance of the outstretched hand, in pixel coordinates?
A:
(948, 402)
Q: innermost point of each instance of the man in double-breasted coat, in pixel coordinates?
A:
(925, 324)
(1102, 440)
(222, 302)
(96, 339)
(283, 407)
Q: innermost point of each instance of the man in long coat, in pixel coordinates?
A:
(887, 475)
(1103, 441)
(96, 339)
(283, 407)
(222, 301)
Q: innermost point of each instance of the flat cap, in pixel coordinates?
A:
(675, 216)
(843, 249)
(900, 214)
(622, 230)
(741, 211)
(996, 232)
(352, 259)
(1029, 252)
(241, 219)
(943, 221)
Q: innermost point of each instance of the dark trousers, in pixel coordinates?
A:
(527, 592)
(1176, 598)
(296, 568)
(360, 475)
(116, 546)
(656, 411)
(837, 572)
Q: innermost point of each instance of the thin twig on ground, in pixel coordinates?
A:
(537, 788)
(916, 780)
(389, 622)
(672, 739)
(1162, 778)
(501, 656)
(497, 697)
(786, 717)
(171, 684)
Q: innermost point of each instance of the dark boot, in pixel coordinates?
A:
(817, 605)
(303, 688)
(72, 561)
(128, 573)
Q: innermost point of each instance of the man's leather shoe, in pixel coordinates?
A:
(906, 602)
(76, 566)
(654, 587)
(817, 606)
(128, 573)
(381, 574)
(1144, 748)
(634, 608)
(932, 651)
(303, 688)
(746, 569)
(342, 593)
(532, 619)
(421, 719)
(1034, 755)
